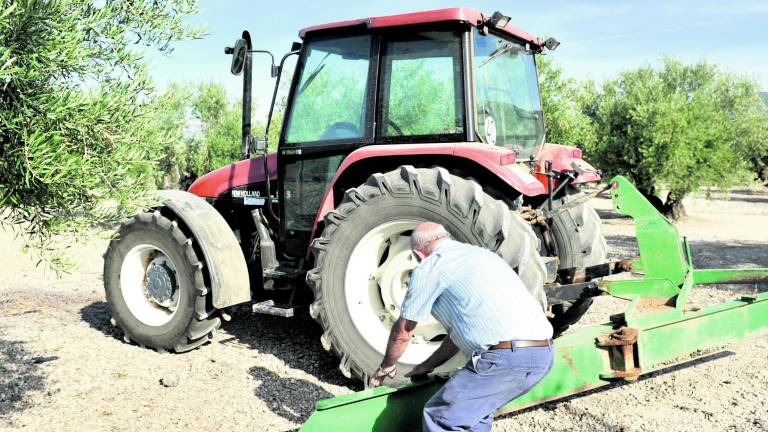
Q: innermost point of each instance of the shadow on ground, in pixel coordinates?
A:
(610, 214)
(295, 341)
(19, 375)
(749, 199)
(290, 398)
(745, 195)
(622, 247)
(97, 316)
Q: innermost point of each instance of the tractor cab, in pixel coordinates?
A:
(445, 76)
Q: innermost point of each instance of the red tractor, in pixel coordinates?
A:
(390, 121)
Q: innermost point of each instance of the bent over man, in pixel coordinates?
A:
(489, 315)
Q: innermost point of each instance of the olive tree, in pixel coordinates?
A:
(564, 102)
(218, 142)
(77, 109)
(679, 127)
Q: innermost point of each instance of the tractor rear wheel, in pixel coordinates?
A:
(155, 286)
(577, 237)
(363, 259)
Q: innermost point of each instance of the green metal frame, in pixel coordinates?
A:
(655, 330)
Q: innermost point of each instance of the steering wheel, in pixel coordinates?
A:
(524, 113)
(394, 125)
(340, 130)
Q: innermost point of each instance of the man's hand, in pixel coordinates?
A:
(419, 372)
(399, 337)
(380, 374)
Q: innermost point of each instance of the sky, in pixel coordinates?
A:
(599, 38)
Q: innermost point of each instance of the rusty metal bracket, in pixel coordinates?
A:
(586, 274)
(621, 347)
(538, 216)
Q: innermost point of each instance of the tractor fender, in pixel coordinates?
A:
(221, 251)
(500, 161)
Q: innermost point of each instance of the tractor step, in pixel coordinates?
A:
(282, 272)
(269, 307)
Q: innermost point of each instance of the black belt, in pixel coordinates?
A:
(522, 344)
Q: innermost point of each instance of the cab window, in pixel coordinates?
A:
(421, 88)
(329, 103)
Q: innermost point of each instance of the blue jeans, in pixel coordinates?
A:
(489, 380)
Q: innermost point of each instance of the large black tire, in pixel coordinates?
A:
(576, 233)
(194, 321)
(469, 214)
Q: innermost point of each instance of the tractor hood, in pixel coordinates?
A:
(245, 172)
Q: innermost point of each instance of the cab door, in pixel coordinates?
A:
(329, 114)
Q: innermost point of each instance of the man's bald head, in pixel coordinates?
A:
(426, 236)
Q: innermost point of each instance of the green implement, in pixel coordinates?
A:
(655, 331)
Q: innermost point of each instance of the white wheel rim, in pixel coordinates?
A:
(133, 282)
(374, 290)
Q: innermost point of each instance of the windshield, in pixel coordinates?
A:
(329, 103)
(507, 95)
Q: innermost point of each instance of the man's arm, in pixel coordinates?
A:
(423, 290)
(399, 337)
(442, 354)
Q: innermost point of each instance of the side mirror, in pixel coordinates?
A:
(238, 52)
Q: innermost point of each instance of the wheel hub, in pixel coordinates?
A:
(161, 283)
(376, 282)
(394, 275)
(150, 284)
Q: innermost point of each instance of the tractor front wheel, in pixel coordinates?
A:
(155, 286)
(363, 259)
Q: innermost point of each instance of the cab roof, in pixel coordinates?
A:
(463, 15)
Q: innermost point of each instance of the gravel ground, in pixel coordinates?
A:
(64, 367)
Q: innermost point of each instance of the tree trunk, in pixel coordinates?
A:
(171, 178)
(673, 208)
(650, 195)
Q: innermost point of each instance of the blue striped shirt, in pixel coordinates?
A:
(476, 296)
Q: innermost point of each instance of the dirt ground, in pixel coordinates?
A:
(64, 367)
